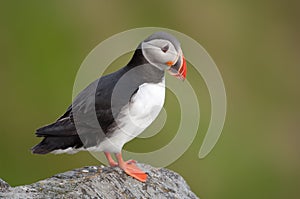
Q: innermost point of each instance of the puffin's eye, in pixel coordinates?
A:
(165, 48)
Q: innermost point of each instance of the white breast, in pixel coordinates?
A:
(136, 116)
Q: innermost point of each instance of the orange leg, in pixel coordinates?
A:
(131, 169)
(110, 160)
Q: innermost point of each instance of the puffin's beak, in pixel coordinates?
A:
(179, 68)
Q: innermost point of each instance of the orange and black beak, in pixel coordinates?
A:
(179, 68)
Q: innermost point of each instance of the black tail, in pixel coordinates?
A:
(58, 135)
(50, 144)
(57, 129)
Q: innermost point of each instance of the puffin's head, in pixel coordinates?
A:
(163, 51)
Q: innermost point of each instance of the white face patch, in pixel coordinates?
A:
(159, 52)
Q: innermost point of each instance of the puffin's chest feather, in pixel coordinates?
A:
(143, 108)
(148, 98)
(136, 116)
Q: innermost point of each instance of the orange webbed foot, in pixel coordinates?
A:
(134, 171)
(131, 168)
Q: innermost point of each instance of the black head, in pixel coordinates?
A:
(162, 51)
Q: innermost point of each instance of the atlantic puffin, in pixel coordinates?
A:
(124, 103)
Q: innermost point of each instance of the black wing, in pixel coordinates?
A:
(94, 102)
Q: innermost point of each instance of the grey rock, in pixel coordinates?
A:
(103, 182)
(3, 185)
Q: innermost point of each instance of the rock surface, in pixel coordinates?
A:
(103, 182)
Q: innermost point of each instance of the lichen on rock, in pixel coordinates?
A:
(103, 182)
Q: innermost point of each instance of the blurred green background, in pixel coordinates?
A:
(255, 45)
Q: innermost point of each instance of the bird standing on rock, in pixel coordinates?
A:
(124, 104)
